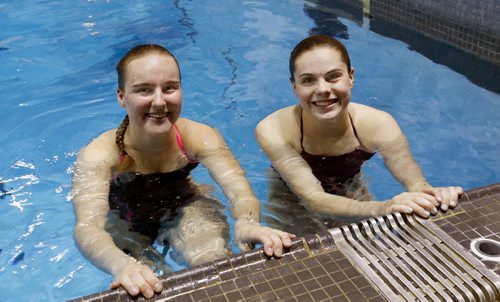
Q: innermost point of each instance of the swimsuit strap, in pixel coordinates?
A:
(302, 130)
(181, 145)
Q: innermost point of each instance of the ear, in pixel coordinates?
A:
(351, 76)
(119, 96)
(292, 81)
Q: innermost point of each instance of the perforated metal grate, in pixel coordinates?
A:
(411, 259)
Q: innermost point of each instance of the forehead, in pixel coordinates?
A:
(151, 66)
(322, 57)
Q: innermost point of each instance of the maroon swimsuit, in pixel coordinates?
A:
(334, 171)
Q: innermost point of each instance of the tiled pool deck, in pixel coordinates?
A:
(362, 266)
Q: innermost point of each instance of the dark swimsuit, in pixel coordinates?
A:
(334, 171)
(142, 200)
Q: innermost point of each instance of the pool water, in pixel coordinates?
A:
(58, 84)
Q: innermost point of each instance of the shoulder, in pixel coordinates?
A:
(197, 136)
(374, 127)
(101, 149)
(281, 126)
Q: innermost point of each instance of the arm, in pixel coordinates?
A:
(299, 177)
(395, 150)
(226, 171)
(90, 201)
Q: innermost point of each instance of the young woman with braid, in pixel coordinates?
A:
(318, 147)
(141, 171)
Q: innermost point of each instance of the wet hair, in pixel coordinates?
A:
(134, 53)
(137, 52)
(316, 41)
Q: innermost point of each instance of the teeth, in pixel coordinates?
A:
(324, 103)
(157, 115)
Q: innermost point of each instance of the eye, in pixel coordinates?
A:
(332, 77)
(170, 88)
(143, 90)
(307, 80)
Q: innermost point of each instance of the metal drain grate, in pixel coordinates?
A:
(411, 259)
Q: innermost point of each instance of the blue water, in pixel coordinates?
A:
(57, 83)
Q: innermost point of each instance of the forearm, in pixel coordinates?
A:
(338, 207)
(98, 246)
(226, 171)
(400, 162)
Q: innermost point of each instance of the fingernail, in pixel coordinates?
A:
(427, 214)
(158, 287)
(269, 251)
(409, 210)
(453, 203)
(434, 211)
(149, 293)
(134, 291)
(444, 207)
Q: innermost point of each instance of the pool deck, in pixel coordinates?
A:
(391, 258)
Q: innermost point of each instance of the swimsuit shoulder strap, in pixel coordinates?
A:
(181, 145)
(301, 131)
(355, 132)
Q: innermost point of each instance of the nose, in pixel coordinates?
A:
(322, 87)
(158, 98)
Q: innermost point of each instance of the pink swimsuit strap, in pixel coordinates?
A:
(181, 145)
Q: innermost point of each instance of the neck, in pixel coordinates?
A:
(335, 127)
(137, 140)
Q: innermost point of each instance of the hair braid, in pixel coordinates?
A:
(120, 135)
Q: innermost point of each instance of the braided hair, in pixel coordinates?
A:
(119, 140)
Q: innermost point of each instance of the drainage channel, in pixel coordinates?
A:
(412, 259)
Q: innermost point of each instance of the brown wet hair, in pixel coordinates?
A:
(314, 42)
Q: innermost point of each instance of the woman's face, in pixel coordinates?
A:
(322, 82)
(152, 93)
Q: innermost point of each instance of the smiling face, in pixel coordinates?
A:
(151, 93)
(322, 82)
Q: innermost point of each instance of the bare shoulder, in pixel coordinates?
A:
(198, 136)
(102, 148)
(373, 126)
(280, 127)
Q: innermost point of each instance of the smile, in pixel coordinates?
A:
(157, 115)
(325, 103)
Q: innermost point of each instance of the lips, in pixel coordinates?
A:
(157, 115)
(325, 103)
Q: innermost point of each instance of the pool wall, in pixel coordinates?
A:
(471, 25)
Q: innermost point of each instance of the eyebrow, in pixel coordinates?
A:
(151, 84)
(335, 70)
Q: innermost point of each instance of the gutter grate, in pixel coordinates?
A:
(411, 259)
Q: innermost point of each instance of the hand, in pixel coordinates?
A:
(420, 203)
(248, 233)
(446, 196)
(137, 278)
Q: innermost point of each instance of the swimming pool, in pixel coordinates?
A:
(57, 80)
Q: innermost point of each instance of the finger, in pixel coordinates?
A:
(277, 245)
(420, 211)
(115, 284)
(129, 286)
(454, 197)
(425, 203)
(460, 190)
(446, 199)
(267, 246)
(144, 287)
(152, 280)
(436, 194)
(286, 239)
(401, 208)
